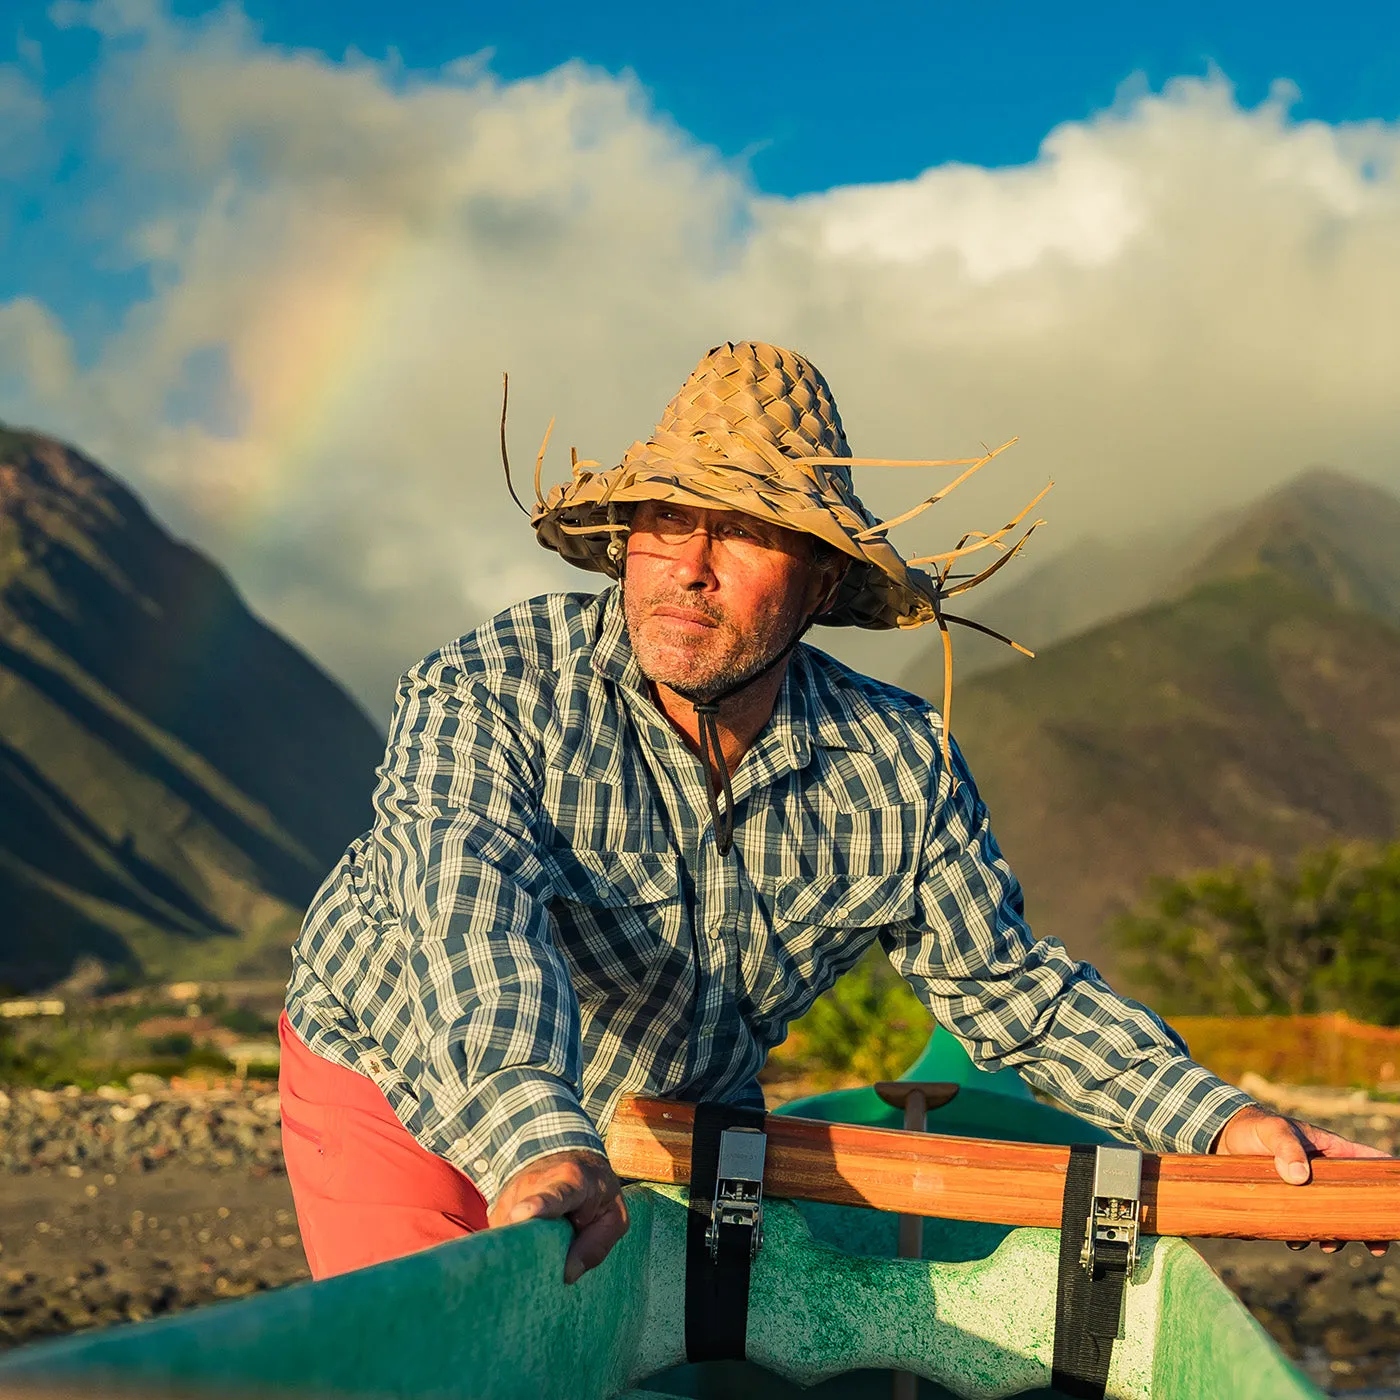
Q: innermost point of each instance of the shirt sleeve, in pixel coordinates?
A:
(1017, 1001)
(495, 1012)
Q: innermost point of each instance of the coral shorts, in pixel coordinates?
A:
(365, 1189)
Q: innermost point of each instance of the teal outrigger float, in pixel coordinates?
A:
(831, 1306)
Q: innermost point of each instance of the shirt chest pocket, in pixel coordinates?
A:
(821, 926)
(824, 920)
(615, 914)
(864, 876)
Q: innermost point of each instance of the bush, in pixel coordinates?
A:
(870, 1025)
(1322, 935)
(246, 1021)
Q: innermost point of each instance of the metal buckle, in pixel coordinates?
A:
(1116, 1204)
(739, 1187)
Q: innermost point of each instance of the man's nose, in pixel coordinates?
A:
(693, 564)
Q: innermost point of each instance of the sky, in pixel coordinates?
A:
(268, 263)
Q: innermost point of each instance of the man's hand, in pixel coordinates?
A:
(1255, 1132)
(579, 1187)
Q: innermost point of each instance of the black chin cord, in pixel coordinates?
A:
(712, 757)
(711, 750)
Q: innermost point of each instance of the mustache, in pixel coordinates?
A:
(686, 603)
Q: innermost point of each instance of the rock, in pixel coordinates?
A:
(109, 1129)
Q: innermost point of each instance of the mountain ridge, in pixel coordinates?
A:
(175, 777)
(1251, 715)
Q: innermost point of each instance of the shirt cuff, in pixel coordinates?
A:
(515, 1118)
(1183, 1107)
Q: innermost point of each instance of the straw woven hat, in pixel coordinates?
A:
(755, 429)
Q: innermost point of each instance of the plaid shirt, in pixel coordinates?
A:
(539, 923)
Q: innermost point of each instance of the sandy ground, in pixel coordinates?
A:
(91, 1249)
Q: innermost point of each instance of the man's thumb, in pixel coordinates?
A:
(1291, 1160)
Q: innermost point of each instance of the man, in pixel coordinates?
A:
(622, 840)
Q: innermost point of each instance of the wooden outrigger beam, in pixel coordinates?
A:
(1015, 1183)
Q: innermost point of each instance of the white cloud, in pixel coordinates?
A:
(35, 359)
(1177, 304)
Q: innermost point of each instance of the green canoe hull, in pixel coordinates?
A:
(490, 1316)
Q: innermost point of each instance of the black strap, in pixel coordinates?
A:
(716, 1289)
(1087, 1309)
(712, 754)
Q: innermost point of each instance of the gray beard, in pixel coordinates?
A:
(742, 664)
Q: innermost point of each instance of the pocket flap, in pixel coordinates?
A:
(613, 879)
(847, 901)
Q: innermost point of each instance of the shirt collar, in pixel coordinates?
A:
(834, 712)
(612, 653)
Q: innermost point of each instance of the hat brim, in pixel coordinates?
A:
(578, 521)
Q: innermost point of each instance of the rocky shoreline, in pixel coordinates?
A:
(122, 1205)
(125, 1204)
(140, 1127)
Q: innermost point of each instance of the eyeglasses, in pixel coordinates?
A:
(674, 526)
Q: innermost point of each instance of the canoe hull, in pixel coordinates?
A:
(491, 1317)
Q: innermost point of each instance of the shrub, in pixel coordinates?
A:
(870, 1025)
(1321, 935)
(246, 1021)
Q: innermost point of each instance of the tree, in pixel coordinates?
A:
(1322, 934)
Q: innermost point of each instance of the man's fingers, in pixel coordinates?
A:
(593, 1241)
(579, 1187)
(558, 1199)
(551, 1202)
(592, 1205)
(1336, 1146)
(1377, 1247)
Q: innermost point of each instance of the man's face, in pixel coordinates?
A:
(712, 595)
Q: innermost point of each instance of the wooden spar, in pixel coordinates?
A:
(1018, 1183)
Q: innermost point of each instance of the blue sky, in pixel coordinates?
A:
(822, 93)
(268, 263)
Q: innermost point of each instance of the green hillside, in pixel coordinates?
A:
(175, 778)
(1257, 714)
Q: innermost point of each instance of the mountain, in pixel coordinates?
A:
(175, 777)
(1337, 536)
(1255, 713)
(1083, 586)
